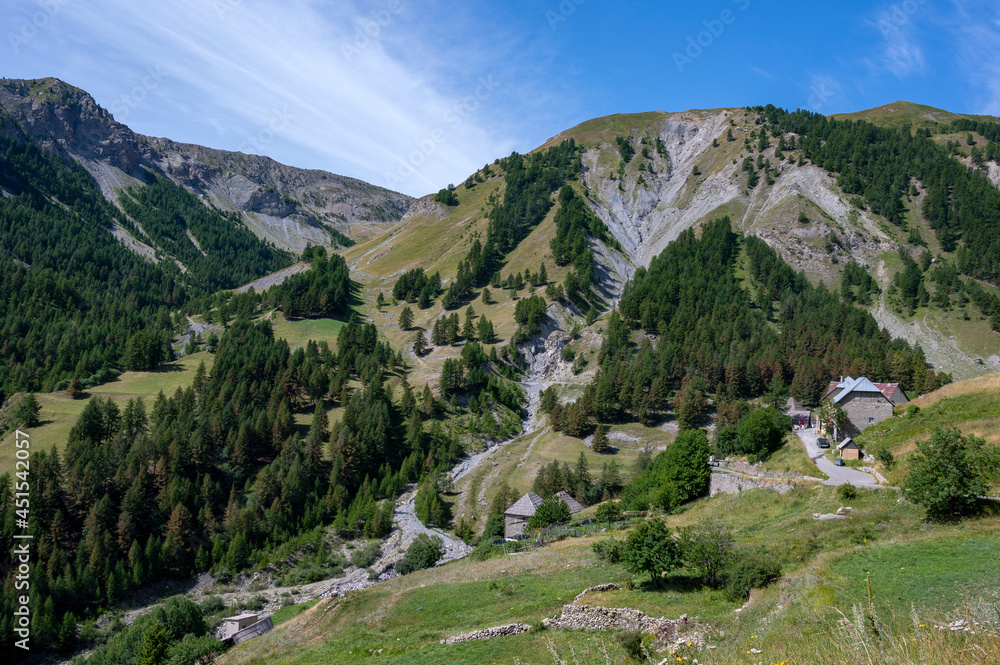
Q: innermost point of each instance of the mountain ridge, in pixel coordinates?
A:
(288, 206)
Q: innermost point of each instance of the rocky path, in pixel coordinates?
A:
(273, 279)
(410, 527)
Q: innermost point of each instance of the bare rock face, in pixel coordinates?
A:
(289, 206)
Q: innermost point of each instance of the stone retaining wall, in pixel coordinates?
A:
(597, 589)
(582, 617)
(724, 483)
(489, 633)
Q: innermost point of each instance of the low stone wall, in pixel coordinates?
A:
(754, 470)
(597, 589)
(724, 483)
(488, 633)
(582, 617)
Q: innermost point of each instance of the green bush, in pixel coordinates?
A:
(366, 556)
(422, 553)
(609, 550)
(750, 570)
(631, 641)
(609, 511)
(846, 492)
(650, 548)
(946, 474)
(211, 605)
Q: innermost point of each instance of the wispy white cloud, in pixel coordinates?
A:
(976, 34)
(901, 52)
(327, 85)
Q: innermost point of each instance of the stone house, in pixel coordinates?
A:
(864, 403)
(800, 415)
(243, 627)
(571, 503)
(515, 518)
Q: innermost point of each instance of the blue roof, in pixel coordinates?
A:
(861, 385)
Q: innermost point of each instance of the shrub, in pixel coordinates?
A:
(366, 556)
(211, 605)
(846, 492)
(631, 641)
(750, 570)
(707, 547)
(609, 550)
(609, 511)
(254, 604)
(422, 553)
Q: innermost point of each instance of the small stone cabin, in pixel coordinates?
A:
(515, 518)
(234, 624)
(848, 449)
(799, 414)
(864, 403)
(573, 505)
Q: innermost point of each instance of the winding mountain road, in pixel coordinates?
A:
(839, 475)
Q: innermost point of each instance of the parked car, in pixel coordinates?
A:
(823, 442)
(838, 461)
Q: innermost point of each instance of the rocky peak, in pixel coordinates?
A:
(289, 206)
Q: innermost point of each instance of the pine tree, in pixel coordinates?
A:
(542, 277)
(485, 330)
(27, 411)
(469, 329)
(406, 318)
(427, 401)
(380, 301)
(75, 391)
(600, 441)
(420, 344)
(487, 296)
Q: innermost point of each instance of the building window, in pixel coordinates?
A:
(871, 420)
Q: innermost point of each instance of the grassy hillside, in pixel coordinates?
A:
(59, 412)
(806, 617)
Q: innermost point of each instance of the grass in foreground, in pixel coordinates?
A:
(817, 613)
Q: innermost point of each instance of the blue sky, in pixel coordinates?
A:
(414, 95)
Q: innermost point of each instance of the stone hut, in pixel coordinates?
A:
(574, 505)
(516, 517)
(863, 402)
(799, 414)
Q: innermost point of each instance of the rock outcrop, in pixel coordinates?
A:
(286, 205)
